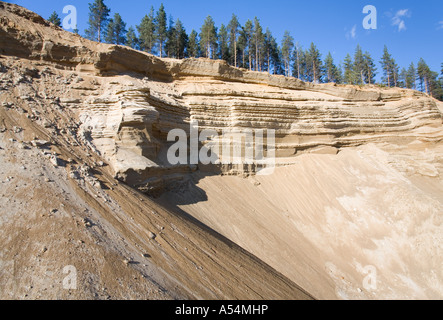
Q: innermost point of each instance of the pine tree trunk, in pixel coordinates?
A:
(298, 66)
(313, 69)
(235, 52)
(387, 72)
(426, 85)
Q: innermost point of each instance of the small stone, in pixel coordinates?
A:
(39, 143)
(74, 175)
(54, 160)
(16, 129)
(151, 235)
(47, 124)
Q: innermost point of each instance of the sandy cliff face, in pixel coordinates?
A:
(357, 182)
(69, 230)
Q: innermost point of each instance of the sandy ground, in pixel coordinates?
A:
(364, 224)
(58, 223)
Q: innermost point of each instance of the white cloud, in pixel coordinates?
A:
(352, 34)
(440, 25)
(399, 19)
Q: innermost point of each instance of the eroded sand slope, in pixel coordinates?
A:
(357, 186)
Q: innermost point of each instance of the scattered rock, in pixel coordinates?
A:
(87, 223)
(39, 143)
(152, 236)
(47, 124)
(54, 160)
(16, 129)
(74, 175)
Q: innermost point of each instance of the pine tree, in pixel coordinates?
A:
(331, 72)
(233, 31)
(403, 78)
(258, 44)
(98, 20)
(348, 75)
(410, 79)
(359, 66)
(193, 48)
(298, 61)
(435, 86)
(146, 31)
(181, 39)
(268, 41)
(277, 60)
(131, 38)
(161, 31)
(116, 30)
(242, 47)
(223, 44)
(170, 39)
(314, 63)
(248, 31)
(208, 38)
(177, 40)
(395, 72)
(369, 67)
(424, 75)
(287, 47)
(303, 65)
(55, 19)
(390, 68)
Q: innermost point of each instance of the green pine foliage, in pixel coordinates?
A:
(208, 38)
(116, 30)
(98, 20)
(287, 47)
(161, 31)
(248, 46)
(131, 39)
(193, 49)
(55, 19)
(146, 31)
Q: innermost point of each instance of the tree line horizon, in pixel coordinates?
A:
(250, 47)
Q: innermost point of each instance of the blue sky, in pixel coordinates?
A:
(411, 29)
